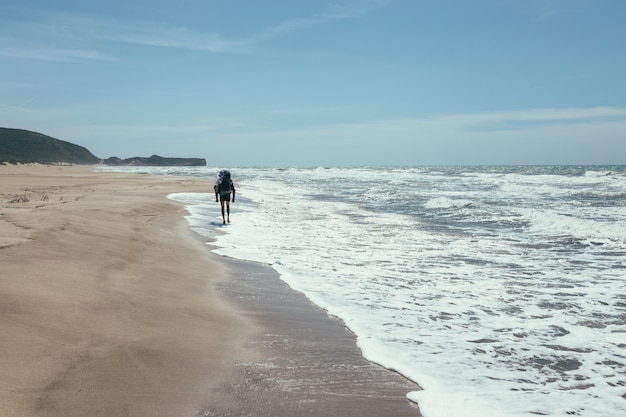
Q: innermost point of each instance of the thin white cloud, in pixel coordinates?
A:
(163, 35)
(535, 115)
(542, 136)
(19, 106)
(336, 12)
(50, 37)
(167, 36)
(37, 35)
(54, 54)
(546, 10)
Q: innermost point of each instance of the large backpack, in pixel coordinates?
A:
(224, 184)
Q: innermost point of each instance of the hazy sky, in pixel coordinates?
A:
(321, 82)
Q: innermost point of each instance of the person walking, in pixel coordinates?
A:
(223, 189)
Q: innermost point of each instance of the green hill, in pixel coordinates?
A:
(25, 147)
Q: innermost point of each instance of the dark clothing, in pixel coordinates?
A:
(224, 188)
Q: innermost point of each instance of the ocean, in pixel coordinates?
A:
(500, 290)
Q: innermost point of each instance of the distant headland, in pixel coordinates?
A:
(157, 161)
(18, 146)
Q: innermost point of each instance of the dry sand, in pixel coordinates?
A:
(110, 306)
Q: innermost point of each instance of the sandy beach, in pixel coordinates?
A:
(111, 306)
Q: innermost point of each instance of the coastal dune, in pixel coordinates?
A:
(110, 306)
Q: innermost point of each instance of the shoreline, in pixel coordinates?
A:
(309, 361)
(111, 305)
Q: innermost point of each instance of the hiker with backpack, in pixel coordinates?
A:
(223, 188)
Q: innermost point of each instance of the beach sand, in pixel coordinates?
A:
(111, 306)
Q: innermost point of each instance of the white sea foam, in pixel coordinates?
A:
(500, 291)
(445, 202)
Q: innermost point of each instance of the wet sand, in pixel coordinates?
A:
(110, 306)
(307, 363)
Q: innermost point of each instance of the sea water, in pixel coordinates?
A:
(499, 290)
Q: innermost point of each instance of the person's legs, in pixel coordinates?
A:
(223, 218)
(228, 210)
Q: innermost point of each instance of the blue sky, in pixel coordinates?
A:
(321, 82)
